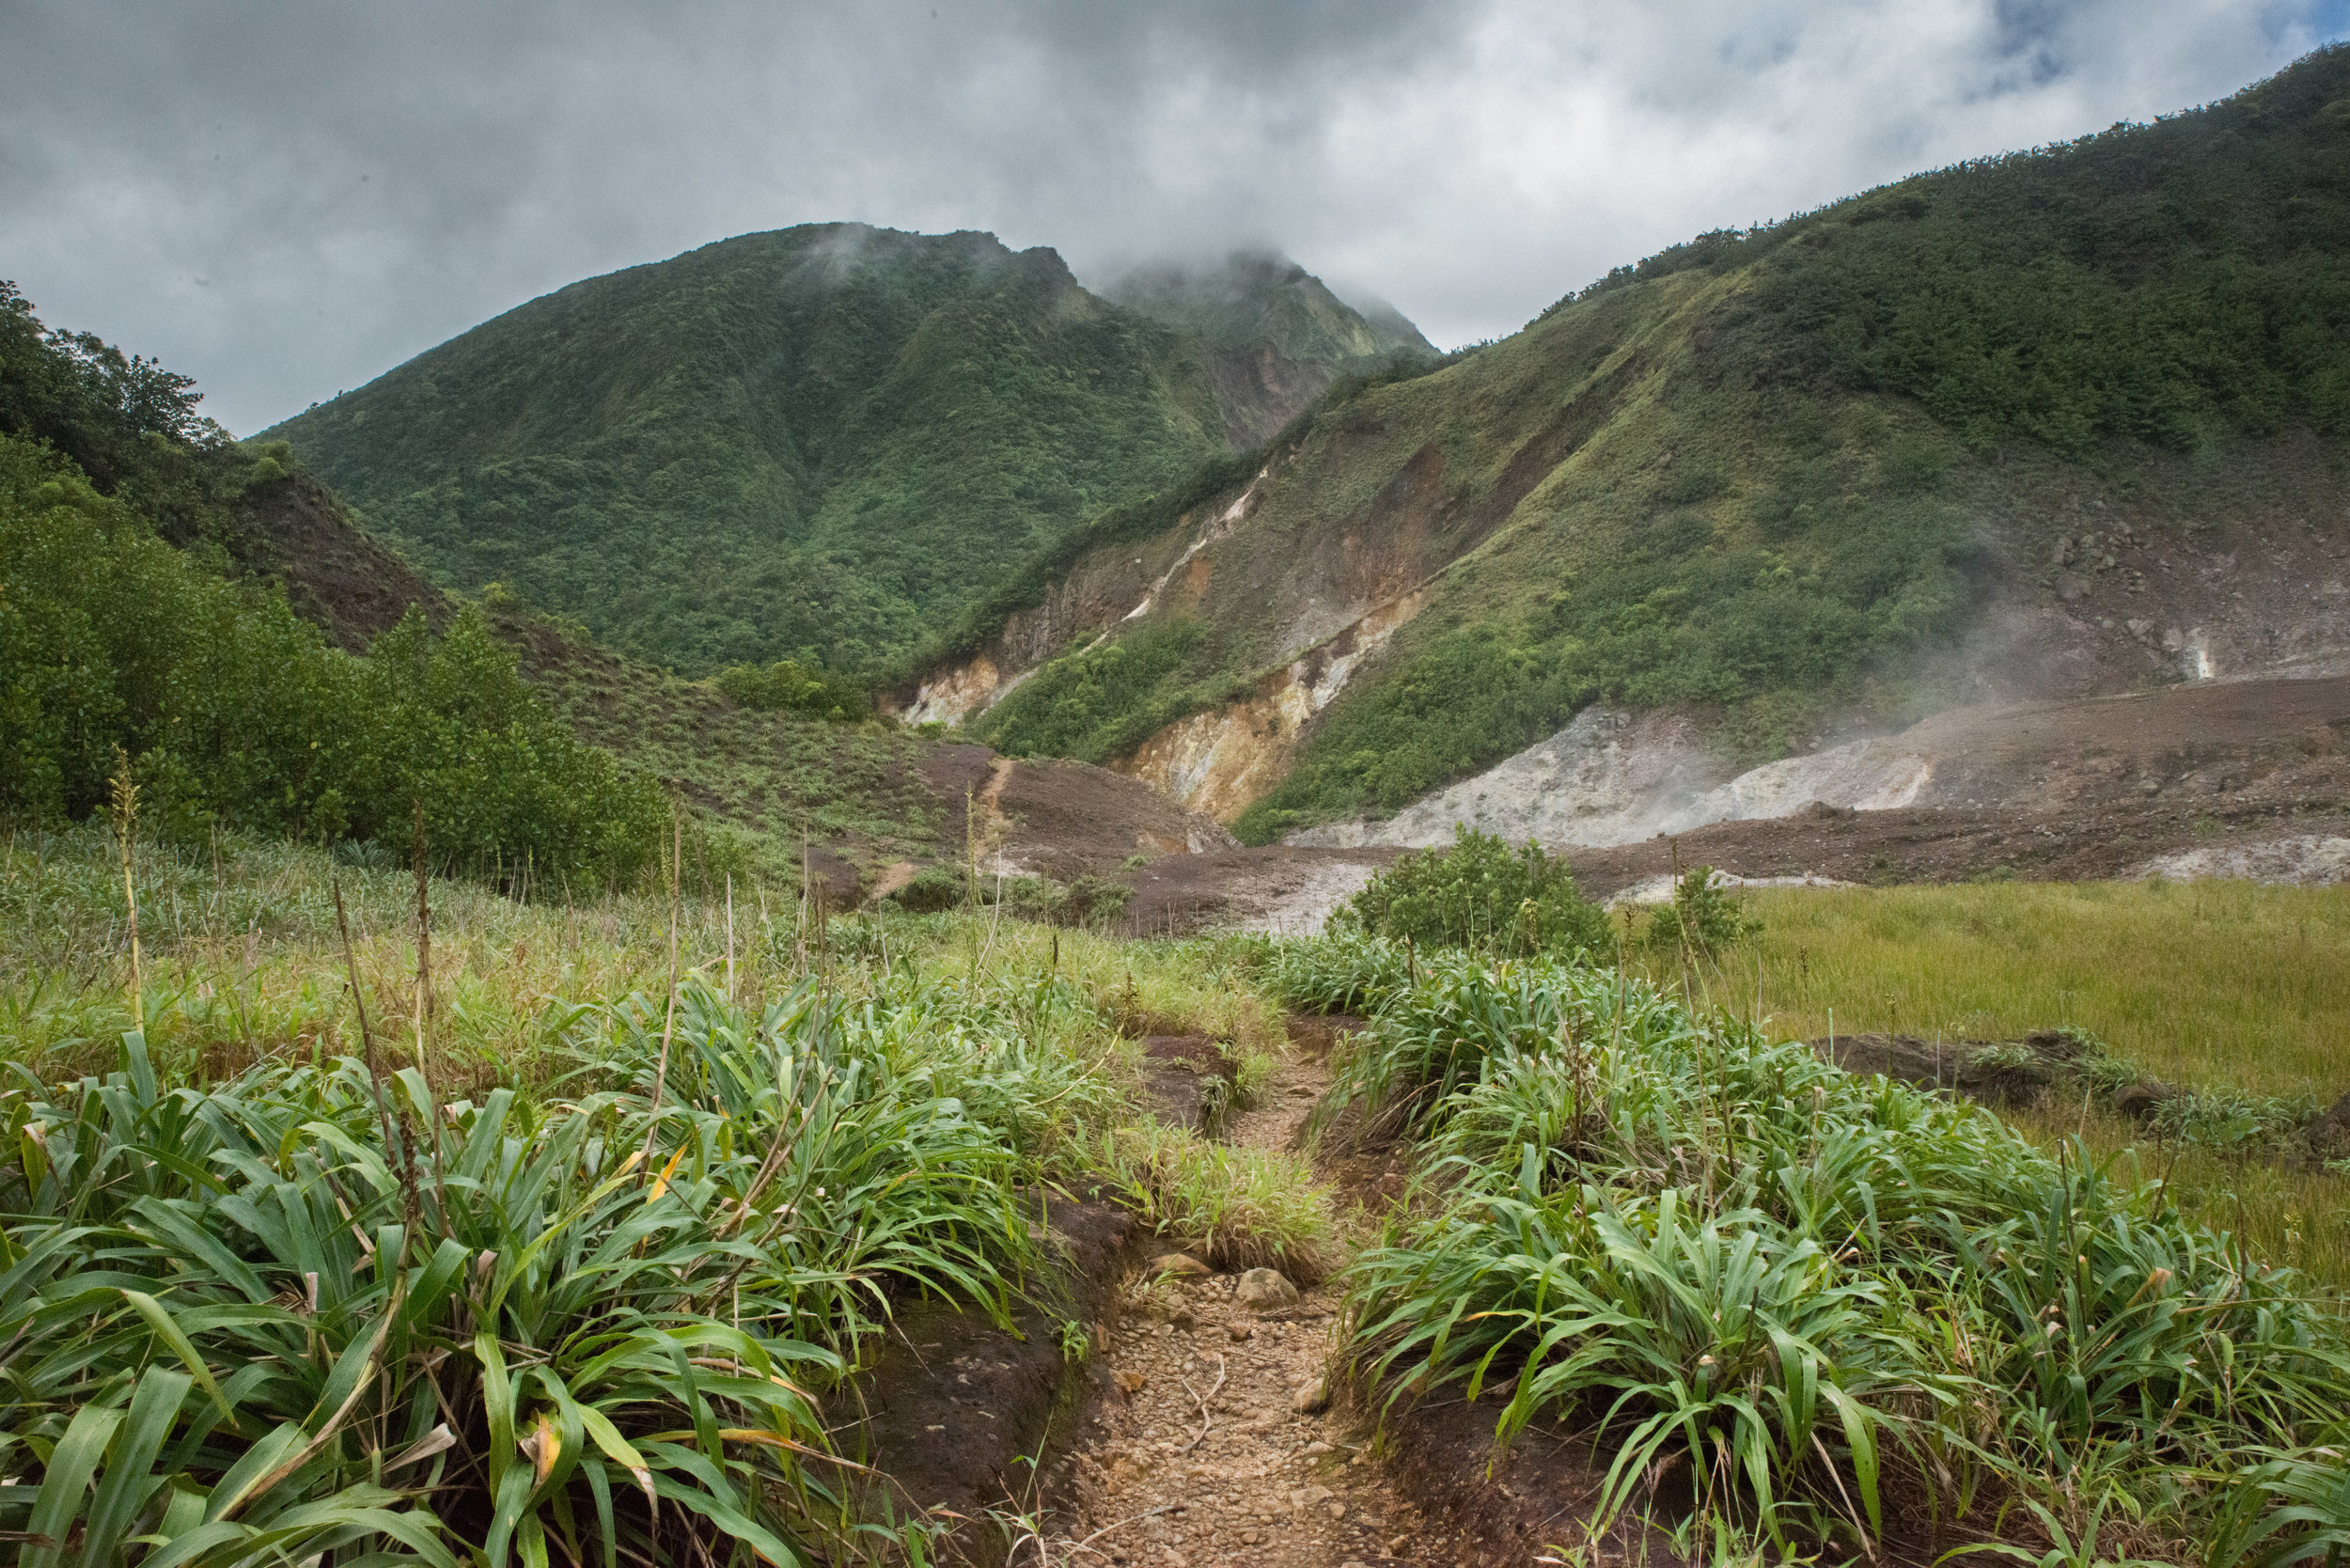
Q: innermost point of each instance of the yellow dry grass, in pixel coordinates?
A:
(2207, 983)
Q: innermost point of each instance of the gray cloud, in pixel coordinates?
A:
(286, 200)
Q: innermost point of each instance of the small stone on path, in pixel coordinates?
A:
(1182, 1266)
(1265, 1287)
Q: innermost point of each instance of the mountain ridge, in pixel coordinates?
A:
(818, 443)
(1277, 335)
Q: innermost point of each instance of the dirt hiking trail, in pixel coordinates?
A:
(1220, 1444)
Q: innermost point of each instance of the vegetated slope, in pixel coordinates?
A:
(142, 671)
(1277, 337)
(812, 443)
(855, 794)
(1908, 448)
(781, 789)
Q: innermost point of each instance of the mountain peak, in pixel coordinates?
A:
(1278, 335)
(1258, 294)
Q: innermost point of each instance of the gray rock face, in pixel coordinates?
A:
(1614, 778)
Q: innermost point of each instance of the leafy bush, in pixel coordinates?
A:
(1480, 893)
(1096, 704)
(785, 687)
(1702, 916)
(1090, 901)
(233, 711)
(934, 888)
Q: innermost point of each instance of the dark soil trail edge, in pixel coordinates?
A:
(948, 1417)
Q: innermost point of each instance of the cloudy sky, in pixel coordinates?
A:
(287, 199)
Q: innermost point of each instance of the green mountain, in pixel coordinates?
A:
(822, 443)
(1277, 337)
(1779, 478)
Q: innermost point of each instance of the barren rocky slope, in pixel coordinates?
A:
(1784, 488)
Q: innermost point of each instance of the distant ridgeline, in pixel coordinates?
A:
(1758, 474)
(139, 648)
(821, 444)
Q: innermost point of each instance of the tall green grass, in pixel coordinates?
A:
(2226, 986)
(574, 1288)
(1805, 1307)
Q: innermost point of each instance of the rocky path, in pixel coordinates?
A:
(1220, 1446)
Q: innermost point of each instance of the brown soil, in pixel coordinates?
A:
(2016, 1077)
(2051, 791)
(1058, 819)
(1258, 888)
(1198, 1453)
(1186, 1079)
(1070, 818)
(1926, 845)
(2043, 791)
(336, 576)
(955, 1400)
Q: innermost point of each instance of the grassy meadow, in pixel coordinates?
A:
(573, 1271)
(2225, 985)
(2219, 983)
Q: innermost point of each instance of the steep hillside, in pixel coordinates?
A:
(1276, 336)
(813, 443)
(861, 798)
(2046, 424)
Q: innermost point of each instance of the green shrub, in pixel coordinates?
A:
(934, 888)
(1090, 901)
(124, 627)
(1702, 916)
(787, 688)
(1480, 893)
(1094, 706)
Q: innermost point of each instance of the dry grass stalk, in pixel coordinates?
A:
(126, 815)
(668, 1020)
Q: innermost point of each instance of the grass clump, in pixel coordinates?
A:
(547, 1323)
(1233, 1208)
(1343, 971)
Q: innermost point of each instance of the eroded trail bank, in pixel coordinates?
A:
(1213, 1441)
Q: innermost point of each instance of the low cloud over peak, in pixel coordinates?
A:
(286, 200)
